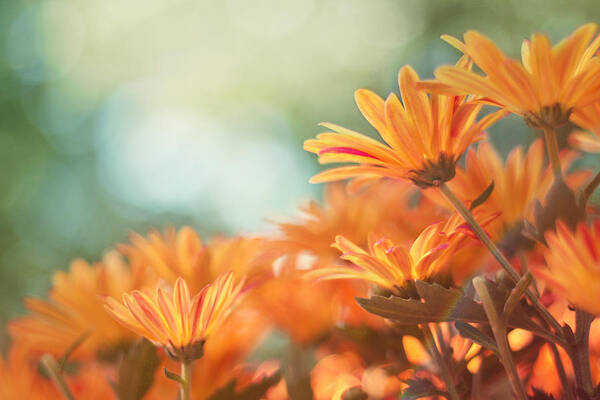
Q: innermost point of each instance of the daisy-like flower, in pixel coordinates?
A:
(385, 207)
(549, 83)
(573, 260)
(389, 266)
(75, 308)
(425, 135)
(182, 253)
(518, 182)
(587, 118)
(179, 324)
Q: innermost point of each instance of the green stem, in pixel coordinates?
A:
(437, 357)
(186, 376)
(499, 331)
(52, 367)
(552, 150)
(491, 246)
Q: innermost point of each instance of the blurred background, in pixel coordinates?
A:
(120, 116)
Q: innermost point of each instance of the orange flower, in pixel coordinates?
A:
(76, 308)
(384, 207)
(180, 325)
(389, 266)
(589, 119)
(425, 136)
(183, 254)
(463, 350)
(336, 375)
(286, 300)
(518, 182)
(20, 378)
(545, 88)
(573, 260)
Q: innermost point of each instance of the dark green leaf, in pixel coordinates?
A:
(136, 371)
(475, 335)
(419, 388)
(482, 197)
(439, 304)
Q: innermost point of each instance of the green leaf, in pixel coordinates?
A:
(475, 335)
(482, 197)
(440, 304)
(419, 388)
(174, 377)
(136, 371)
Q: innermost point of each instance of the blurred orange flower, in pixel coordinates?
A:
(425, 136)
(385, 208)
(20, 378)
(573, 260)
(76, 308)
(587, 118)
(298, 307)
(336, 374)
(180, 325)
(182, 253)
(518, 182)
(545, 88)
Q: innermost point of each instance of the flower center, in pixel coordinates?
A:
(548, 117)
(434, 173)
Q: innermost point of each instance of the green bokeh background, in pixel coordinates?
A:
(120, 116)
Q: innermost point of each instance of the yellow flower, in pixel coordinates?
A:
(179, 324)
(588, 118)
(389, 266)
(573, 260)
(549, 83)
(425, 136)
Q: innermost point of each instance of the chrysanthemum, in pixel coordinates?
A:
(545, 87)
(182, 253)
(587, 118)
(180, 324)
(22, 378)
(425, 135)
(520, 180)
(385, 207)
(75, 308)
(388, 265)
(573, 260)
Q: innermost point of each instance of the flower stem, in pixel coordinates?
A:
(491, 246)
(52, 367)
(560, 369)
(437, 357)
(186, 376)
(552, 150)
(579, 352)
(499, 331)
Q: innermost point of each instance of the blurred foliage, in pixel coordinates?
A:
(154, 112)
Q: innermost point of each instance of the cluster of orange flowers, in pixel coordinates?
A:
(481, 278)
